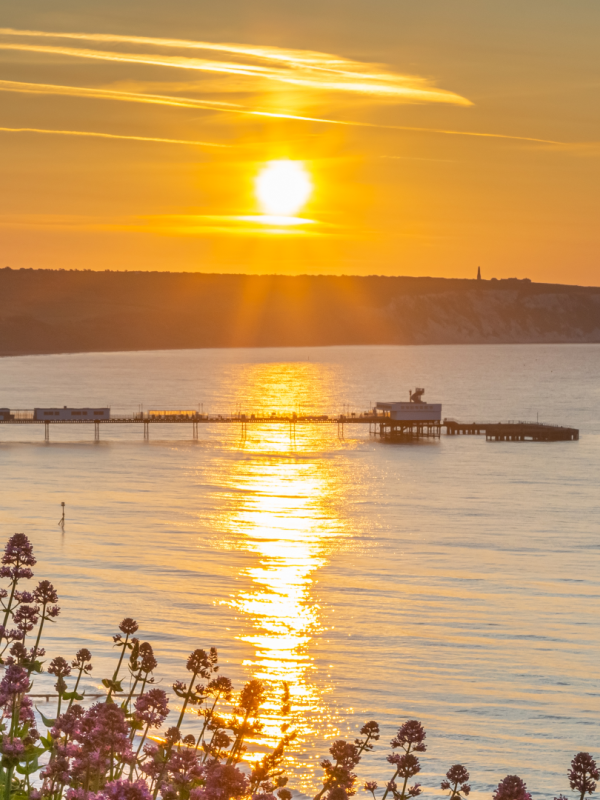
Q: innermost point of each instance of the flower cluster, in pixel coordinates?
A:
(512, 788)
(126, 747)
(457, 782)
(117, 749)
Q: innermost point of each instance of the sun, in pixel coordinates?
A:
(283, 187)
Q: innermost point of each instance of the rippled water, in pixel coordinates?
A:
(455, 581)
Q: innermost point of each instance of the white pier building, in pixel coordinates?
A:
(416, 410)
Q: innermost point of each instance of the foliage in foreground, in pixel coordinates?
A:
(117, 749)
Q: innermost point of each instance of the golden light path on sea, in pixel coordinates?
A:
(284, 515)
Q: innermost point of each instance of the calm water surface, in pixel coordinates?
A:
(455, 581)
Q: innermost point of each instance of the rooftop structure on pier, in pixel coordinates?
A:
(416, 410)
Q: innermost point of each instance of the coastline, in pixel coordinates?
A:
(46, 312)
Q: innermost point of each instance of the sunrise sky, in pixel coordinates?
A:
(354, 137)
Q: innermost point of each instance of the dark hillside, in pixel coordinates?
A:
(48, 311)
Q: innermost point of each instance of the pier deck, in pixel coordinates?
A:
(513, 431)
(379, 425)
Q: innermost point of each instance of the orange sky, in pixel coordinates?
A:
(438, 136)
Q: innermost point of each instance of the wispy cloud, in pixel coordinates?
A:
(99, 135)
(448, 132)
(113, 94)
(308, 69)
(236, 108)
(174, 224)
(241, 225)
(159, 99)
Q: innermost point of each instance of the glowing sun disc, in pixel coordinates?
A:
(283, 187)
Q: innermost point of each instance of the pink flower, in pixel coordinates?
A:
(12, 750)
(82, 660)
(512, 788)
(223, 782)
(14, 681)
(152, 708)
(124, 790)
(26, 710)
(407, 765)
(148, 662)
(102, 735)
(202, 663)
(61, 669)
(411, 733)
(456, 781)
(344, 753)
(183, 770)
(128, 626)
(57, 770)
(371, 730)
(68, 723)
(24, 597)
(583, 774)
(251, 697)
(44, 594)
(18, 555)
(26, 617)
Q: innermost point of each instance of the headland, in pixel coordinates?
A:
(62, 311)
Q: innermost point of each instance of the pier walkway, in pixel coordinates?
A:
(512, 431)
(379, 425)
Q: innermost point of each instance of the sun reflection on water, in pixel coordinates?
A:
(283, 512)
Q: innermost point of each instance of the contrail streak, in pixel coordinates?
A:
(306, 60)
(159, 99)
(112, 136)
(394, 87)
(234, 108)
(303, 58)
(470, 133)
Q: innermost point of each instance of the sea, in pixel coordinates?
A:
(455, 581)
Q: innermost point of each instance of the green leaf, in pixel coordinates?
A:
(29, 768)
(114, 685)
(49, 723)
(72, 696)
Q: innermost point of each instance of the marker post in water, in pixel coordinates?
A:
(62, 519)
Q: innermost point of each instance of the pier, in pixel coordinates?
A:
(512, 431)
(380, 424)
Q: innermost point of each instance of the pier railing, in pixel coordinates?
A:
(380, 425)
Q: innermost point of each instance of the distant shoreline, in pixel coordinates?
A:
(293, 347)
(52, 312)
